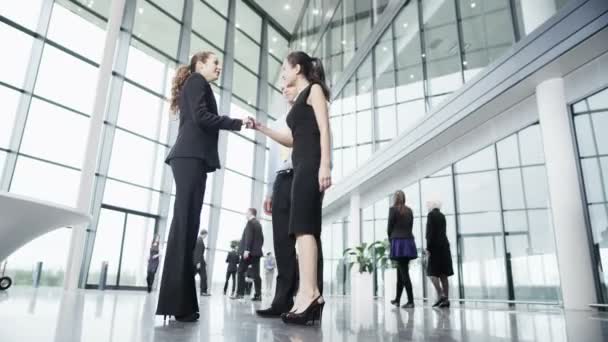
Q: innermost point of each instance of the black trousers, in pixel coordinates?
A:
(230, 274)
(285, 246)
(177, 294)
(150, 280)
(403, 279)
(202, 273)
(255, 270)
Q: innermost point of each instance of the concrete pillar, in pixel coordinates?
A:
(566, 198)
(535, 12)
(87, 175)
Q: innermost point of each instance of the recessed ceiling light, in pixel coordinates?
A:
(423, 55)
(384, 48)
(473, 5)
(140, 10)
(464, 63)
(238, 25)
(271, 50)
(315, 11)
(412, 76)
(344, 42)
(303, 43)
(274, 39)
(405, 25)
(287, 7)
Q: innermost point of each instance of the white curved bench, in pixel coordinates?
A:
(22, 219)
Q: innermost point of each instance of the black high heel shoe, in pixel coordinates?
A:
(312, 314)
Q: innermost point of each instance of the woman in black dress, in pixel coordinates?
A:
(153, 261)
(439, 266)
(193, 155)
(308, 133)
(403, 246)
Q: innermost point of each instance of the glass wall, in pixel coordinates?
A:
(48, 135)
(45, 133)
(335, 272)
(498, 223)
(590, 120)
(429, 50)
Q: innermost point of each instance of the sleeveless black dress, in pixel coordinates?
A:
(306, 199)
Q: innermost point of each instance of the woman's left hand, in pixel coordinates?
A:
(324, 178)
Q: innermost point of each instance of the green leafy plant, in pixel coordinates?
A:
(368, 257)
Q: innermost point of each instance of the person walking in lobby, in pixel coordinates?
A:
(250, 250)
(232, 259)
(439, 266)
(403, 246)
(199, 261)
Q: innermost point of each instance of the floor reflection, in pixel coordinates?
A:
(57, 316)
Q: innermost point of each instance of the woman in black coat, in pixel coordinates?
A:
(193, 155)
(439, 266)
(403, 246)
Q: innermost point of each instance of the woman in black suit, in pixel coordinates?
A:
(439, 266)
(191, 158)
(403, 246)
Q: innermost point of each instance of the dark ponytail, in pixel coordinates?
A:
(181, 75)
(311, 68)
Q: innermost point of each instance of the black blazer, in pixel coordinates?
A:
(199, 124)
(233, 260)
(400, 226)
(199, 251)
(436, 237)
(252, 239)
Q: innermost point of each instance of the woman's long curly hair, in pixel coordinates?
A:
(181, 75)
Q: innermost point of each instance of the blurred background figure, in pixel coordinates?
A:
(250, 250)
(439, 266)
(269, 266)
(153, 261)
(233, 261)
(199, 261)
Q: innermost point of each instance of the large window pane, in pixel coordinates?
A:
(21, 264)
(441, 47)
(136, 103)
(477, 192)
(487, 31)
(82, 33)
(131, 197)
(136, 160)
(77, 89)
(55, 134)
(245, 85)
(45, 181)
(240, 154)
(247, 52)
(25, 13)
(208, 24)
(10, 101)
(14, 60)
(197, 45)
(147, 67)
(236, 194)
(248, 21)
(107, 249)
(155, 28)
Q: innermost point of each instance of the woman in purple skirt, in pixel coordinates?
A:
(403, 246)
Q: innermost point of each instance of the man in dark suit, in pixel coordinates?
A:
(232, 259)
(199, 261)
(250, 250)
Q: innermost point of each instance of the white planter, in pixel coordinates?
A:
(362, 299)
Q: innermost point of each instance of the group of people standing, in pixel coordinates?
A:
(403, 249)
(295, 221)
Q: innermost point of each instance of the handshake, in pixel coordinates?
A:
(251, 123)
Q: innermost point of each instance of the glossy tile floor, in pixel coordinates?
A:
(52, 315)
